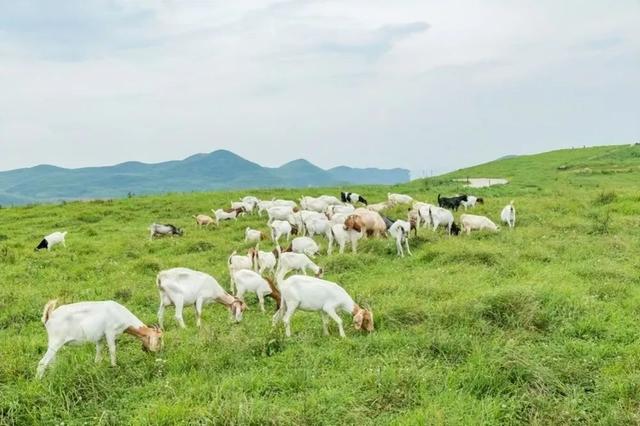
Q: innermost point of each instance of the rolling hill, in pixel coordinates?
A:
(535, 325)
(217, 170)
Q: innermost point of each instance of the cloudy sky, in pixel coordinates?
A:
(426, 85)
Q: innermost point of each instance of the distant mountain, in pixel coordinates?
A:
(217, 170)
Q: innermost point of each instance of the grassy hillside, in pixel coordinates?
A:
(538, 325)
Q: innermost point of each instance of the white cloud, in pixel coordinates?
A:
(423, 85)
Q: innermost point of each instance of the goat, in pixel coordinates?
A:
(471, 221)
(378, 207)
(264, 206)
(264, 260)
(330, 200)
(253, 235)
(326, 297)
(508, 215)
(451, 202)
(334, 210)
(168, 229)
(91, 322)
(313, 204)
(281, 213)
(340, 235)
(352, 198)
(203, 220)
(471, 201)
(288, 262)
(51, 240)
(237, 262)
(395, 199)
(304, 245)
(400, 230)
(318, 226)
(280, 228)
(227, 214)
(184, 287)
(439, 216)
(252, 282)
(367, 221)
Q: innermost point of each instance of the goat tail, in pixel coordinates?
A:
(232, 254)
(48, 309)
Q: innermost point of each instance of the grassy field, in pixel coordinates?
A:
(538, 325)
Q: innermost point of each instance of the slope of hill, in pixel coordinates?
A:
(536, 325)
(218, 170)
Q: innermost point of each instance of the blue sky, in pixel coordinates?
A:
(426, 85)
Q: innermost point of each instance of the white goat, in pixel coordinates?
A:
(471, 221)
(319, 226)
(236, 263)
(342, 236)
(316, 295)
(305, 245)
(227, 214)
(288, 262)
(253, 235)
(280, 228)
(508, 215)
(471, 201)
(395, 199)
(334, 210)
(330, 200)
(439, 216)
(378, 207)
(203, 220)
(52, 240)
(313, 204)
(185, 287)
(264, 206)
(285, 203)
(281, 213)
(252, 282)
(91, 322)
(400, 232)
(264, 260)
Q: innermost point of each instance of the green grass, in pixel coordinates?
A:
(538, 325)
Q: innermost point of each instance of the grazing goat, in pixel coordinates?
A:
(451, 202)
(91, 322)
(157, 229)
(250, 203)
(330, 200)
(264, 260)
(203, 220)
(400, 230)
(236, 263)
(471, 221)
(288, 262)
(378, 207)
(227, 214)
(264, 206)
(318, 226)
(508, 215)
(304, 245)
(52, 240)
(471, 201)
(252, 282)
(316, 295)
(334, 210)
(185, 287)
(285, 203)
(367, 221)
(313, 204)
(281, 213)
(395, 199)
(253, 235)
(439, 216)
(340, 235)
(352, 198)
(280, 228)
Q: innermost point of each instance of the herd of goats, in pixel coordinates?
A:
(337, 219)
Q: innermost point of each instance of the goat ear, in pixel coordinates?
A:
(358, 318)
